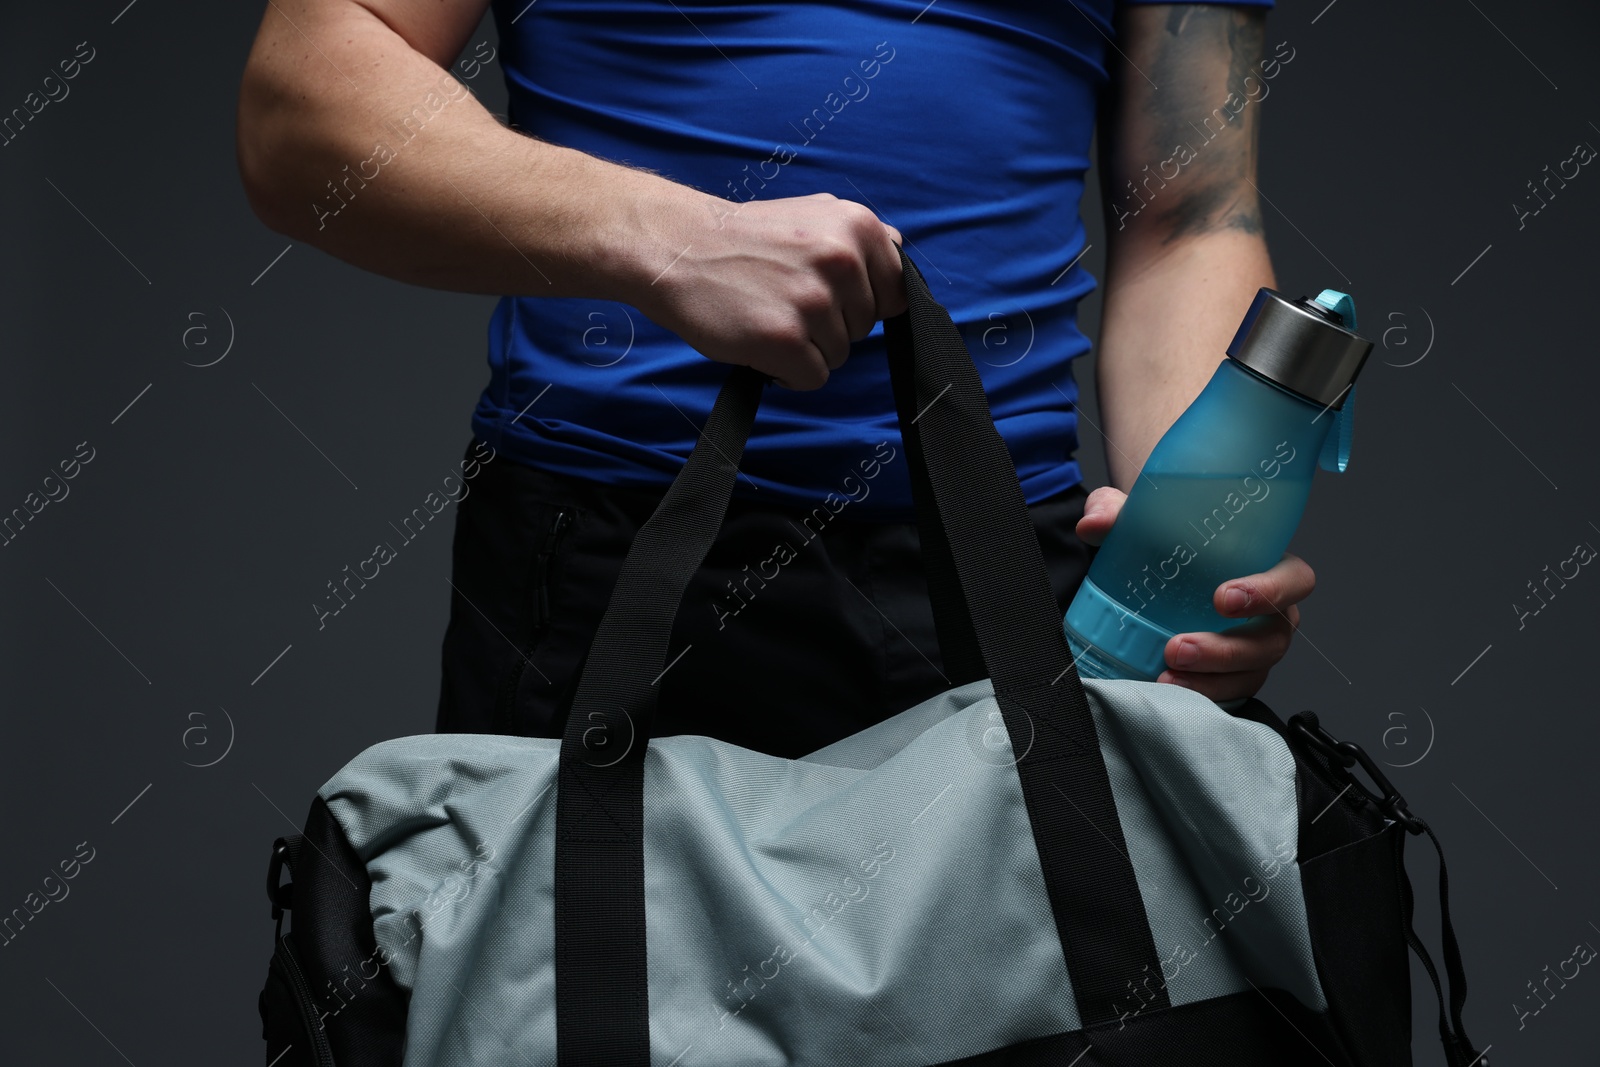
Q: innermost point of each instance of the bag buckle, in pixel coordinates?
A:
(1346, 754)
(281, 896)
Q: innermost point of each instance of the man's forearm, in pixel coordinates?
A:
(353, 138)
(1164, 329)
(354, 142)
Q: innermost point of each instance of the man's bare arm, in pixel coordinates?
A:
(353, 137)
(1186, 257)
(1186, 252)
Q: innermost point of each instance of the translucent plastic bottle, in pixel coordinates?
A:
(1225, 487)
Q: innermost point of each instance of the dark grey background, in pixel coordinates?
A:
(143, 609)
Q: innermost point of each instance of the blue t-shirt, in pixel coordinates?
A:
(967, 127)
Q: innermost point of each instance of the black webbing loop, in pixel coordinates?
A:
(996, 617)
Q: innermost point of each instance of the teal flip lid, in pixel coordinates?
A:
(1335, 455)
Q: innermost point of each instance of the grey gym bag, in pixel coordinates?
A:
(1027, 869)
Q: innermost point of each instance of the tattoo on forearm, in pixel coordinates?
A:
(1189, 154)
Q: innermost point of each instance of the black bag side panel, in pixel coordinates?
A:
(1255, 1028)
(288, 1033)
(331, 930)
(1351, 862)
(1332, 814)
(1366, 978)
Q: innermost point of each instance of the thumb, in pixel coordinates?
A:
(1100, 511)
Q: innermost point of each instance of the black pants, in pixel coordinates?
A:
(839, 638)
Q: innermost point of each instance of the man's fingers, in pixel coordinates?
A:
(885, 273)
(1229, 666)
(1218, 687)
(859, 300)
(1289, 581)
(829, 335)
(1255, 646)
(811, 373)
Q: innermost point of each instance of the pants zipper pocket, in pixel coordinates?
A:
(504, 718)
(541, 571)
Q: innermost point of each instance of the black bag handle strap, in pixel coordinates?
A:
(996, 613)
(959, 651)
(1458, 1048)
(996, 618)
(602, 1002)
(972, 518)
(972, 513)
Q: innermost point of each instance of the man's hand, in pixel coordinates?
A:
(1235, 664)
(781, 285)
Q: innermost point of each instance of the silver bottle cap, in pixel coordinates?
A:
(1300, 345)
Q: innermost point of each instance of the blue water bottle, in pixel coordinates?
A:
(1223, 491)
